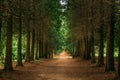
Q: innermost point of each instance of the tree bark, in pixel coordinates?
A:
(87, 55)
(101, 48)
(37, 47)
(46, 50)
(93, 60)
(28, 47)
(101, 37)
(1, 15)
(119, 54)
(33, 45)
(110, 41)
(119, 59)
(77, 53)
(8, 58)
(19, 59)
(40, 49)
(1, 12)
(37, 50)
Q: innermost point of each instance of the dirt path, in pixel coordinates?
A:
(58, 69)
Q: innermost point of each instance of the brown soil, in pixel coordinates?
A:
(58, 69)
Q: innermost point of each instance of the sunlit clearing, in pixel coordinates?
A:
(63, 2)
(63, 55)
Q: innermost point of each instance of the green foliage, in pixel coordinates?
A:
(117, 26)
(3, 45)
(15, 46)
(14, 50)
(53, 9)
(60, 35)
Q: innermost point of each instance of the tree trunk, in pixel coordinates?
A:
(101, 38)
(28, 47)
(110, 42)
(119, 55)
(48, 52)
(93, 60)
(87, 55)
(0, 35)
(101, 48)
(77, 53)
(37, 50)
(1, 14)
(8, 58)
(40, 49)
(43, 48)
(46, 48)
(33, 45)
(19, 59)
(119, 59)
(73, 51)
(37, 46)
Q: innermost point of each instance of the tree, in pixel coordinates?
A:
(1, 16)
(119, 56)
(101, 37)
(33, 31)
(28, 28)
(110, 39)
(93, 58)
(33, 45)
(8, 59)
(27, 59)
(19, 59)
(118, 23)
(92, 36)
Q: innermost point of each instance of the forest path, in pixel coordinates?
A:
(58, 69)
(70, 69)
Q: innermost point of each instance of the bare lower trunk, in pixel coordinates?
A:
(8, 59)
(87, 44)
(119, 62)
(119, 55)
(19, 59)
(33, 45)
(40, 49)
(77, 53)
(28, 47)
(110, 43)
(101, 37)
(93, 60)
(37, 50)
(101, 48)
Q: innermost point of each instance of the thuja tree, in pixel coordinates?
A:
(110, 38)
(8, 58)
(101, 34)
(117, 31)
(1, 16)
(81, 26)
(19, 60)
(83, 23)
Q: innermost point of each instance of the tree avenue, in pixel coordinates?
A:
(34, 29)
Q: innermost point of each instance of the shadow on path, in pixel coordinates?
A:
(58, 69)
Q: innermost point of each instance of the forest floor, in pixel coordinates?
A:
(62, 68)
